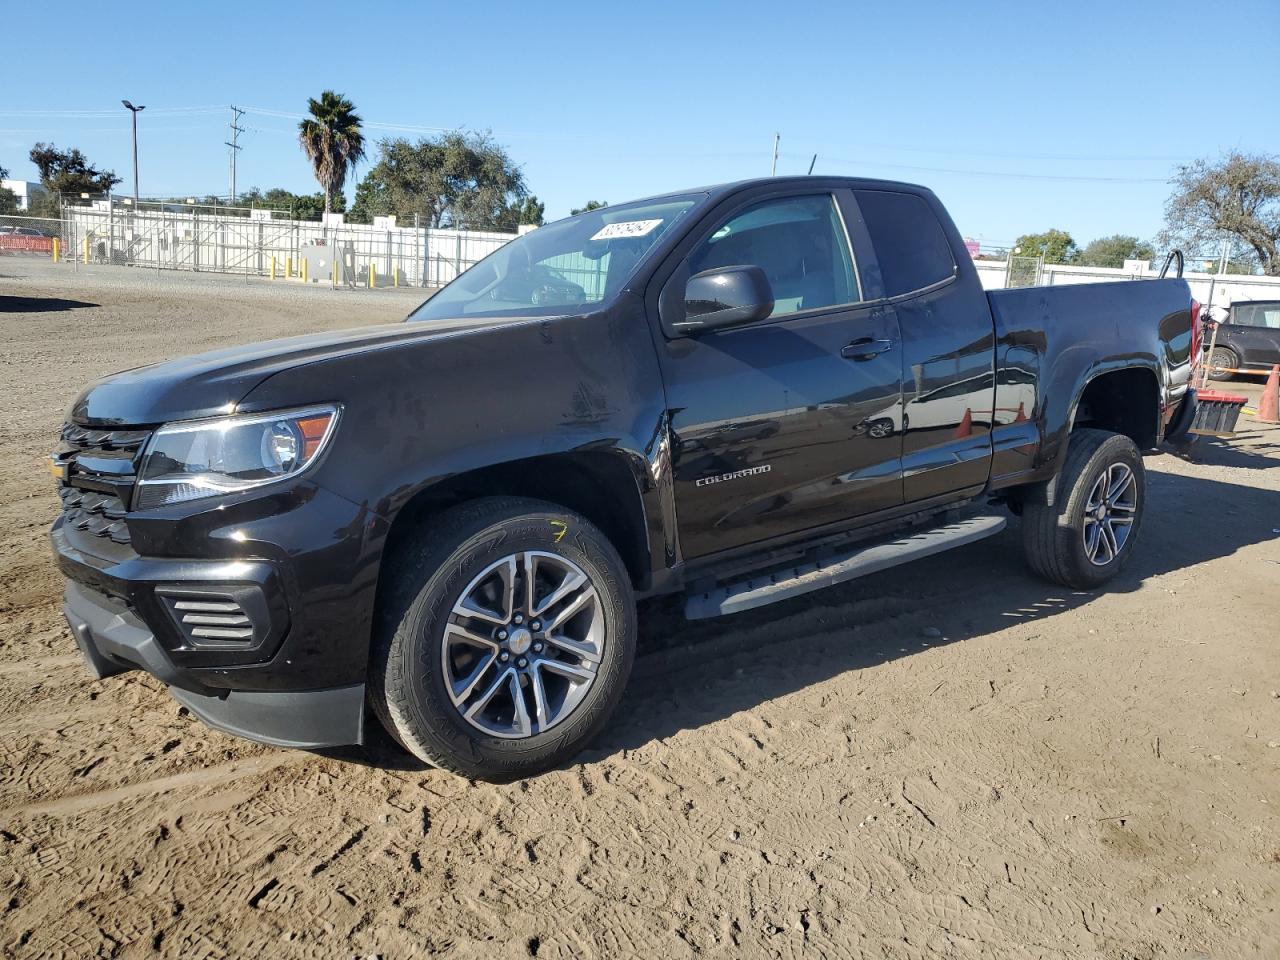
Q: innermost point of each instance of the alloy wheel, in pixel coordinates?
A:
(523, 644)
(1109, 514)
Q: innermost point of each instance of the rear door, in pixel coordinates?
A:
(948, 345)
(793, 422)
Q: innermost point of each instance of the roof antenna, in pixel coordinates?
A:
(774, 171)
(811, 163)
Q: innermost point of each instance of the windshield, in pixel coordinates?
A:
(565, 267)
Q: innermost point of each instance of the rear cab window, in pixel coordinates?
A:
(910, 244)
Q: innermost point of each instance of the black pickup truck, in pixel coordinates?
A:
(741, 393)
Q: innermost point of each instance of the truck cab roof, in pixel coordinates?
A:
(721, 190)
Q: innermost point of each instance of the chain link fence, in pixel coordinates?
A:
(164, 235)
(29, 235)
(1023, 271)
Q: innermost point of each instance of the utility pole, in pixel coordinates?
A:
(234, 144)
(135, 111)
(773, 172)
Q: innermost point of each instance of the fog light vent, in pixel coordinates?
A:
(214, 620)
(217, 617)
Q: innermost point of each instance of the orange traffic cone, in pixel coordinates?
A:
(1269, 405)
(966, 424)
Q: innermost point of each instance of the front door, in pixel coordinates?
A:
(793, 422)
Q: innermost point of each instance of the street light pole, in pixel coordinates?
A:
(135, 111)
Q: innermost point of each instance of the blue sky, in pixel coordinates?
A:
(1021, 116)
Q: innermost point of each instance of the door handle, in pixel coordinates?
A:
(864, 348)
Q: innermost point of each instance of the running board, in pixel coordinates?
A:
(792, 582)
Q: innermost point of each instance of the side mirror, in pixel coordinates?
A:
(725, 297)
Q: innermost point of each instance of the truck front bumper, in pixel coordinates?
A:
(114, 639)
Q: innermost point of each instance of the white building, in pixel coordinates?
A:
(26, 191)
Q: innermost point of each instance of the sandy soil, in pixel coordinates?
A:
(949, 760)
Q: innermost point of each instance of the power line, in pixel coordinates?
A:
(89, 114)
(177, 111)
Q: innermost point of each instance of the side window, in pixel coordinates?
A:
(1257, 315)
(909, 241)
(800, 244)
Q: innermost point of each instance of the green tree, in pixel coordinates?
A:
(66, 171)
(302, 206)
(8, 199)
(373, 198)
(332, 140)
(531, 211)
(1113, 251)
(1236, 198)
(1056, 246)
(458, 180)
(591, 205)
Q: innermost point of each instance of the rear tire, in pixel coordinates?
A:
(1085, 537)
(459, 620)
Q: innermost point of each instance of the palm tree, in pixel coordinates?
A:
(332, 141)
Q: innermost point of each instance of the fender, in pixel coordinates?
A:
(516, 397)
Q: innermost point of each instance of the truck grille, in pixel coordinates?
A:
(101, 472)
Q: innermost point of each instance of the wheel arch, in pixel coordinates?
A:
(1124, 400)
(602, 486)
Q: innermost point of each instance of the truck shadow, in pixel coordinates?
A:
(1216, 452)
(690, 674)
(713, 669)
(40, 304)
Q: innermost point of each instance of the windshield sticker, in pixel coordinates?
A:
(626, 228)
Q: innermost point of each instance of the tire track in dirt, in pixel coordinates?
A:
(75, 804)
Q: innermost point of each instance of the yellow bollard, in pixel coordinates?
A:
(371, 282)
(302, 266)
(333, 274)
(273, 268)
(55, 249)
(86, 249)
(288, 267)
(395, 276)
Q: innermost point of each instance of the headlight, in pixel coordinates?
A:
(205, 458)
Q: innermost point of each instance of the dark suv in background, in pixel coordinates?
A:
(1248, 338)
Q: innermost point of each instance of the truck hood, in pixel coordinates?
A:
(212, 384)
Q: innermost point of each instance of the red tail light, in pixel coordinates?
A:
(1197, 333)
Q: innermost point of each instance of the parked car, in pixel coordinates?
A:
(539, 285)
(778, 385)
(1249, 338)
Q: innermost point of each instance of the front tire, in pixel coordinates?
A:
(506, 636)
(1086, 536)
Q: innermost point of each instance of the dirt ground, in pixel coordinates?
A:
(952, 759)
